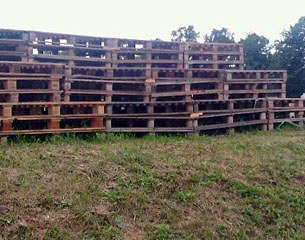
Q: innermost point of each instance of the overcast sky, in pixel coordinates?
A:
(151, 19)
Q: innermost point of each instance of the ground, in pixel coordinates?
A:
(249, 185)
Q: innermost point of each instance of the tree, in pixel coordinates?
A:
(185, 34)
(221, 36)
(257, 52)
(290, 55)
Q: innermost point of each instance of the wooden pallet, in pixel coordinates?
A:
(285, 110)
(213, 56)
(51, 117)
(13, 45)
(254, 83)
(200, 115)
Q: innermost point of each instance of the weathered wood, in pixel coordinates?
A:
(142, 86)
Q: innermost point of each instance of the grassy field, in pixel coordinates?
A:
(218, 187)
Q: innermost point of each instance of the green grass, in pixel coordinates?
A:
(249, 185)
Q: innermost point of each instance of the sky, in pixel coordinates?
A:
(143, 19)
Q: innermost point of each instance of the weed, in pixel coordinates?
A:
(162, 232)
(145, 180)
(64, 203)
(245, 191)
(250, 215)
(184, 195)
(114, 196)
(6, 219)
(207, 176)
(55, 233)
(25, 232)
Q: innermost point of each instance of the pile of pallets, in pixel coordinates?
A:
(144, 86)
(31, 102)
(255, 84)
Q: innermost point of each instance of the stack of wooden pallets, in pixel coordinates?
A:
(60, 82)
(31, 102)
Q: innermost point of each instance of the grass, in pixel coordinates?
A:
(249, 185)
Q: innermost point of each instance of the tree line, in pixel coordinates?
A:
(287, 53)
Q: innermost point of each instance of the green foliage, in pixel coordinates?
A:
(100, 226)
(207, 176)
(257, 52)
(107, 234)
(184, 195)
(290, 55)
(113, 137)
(114, 196)
(220, 36)
(243, 190)
(26, 139)
(185, 34)
(146, 180)
(55, 233)
(162, 232)
(25, 232)
(6, 219)
(64, 203)
(251, 215)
